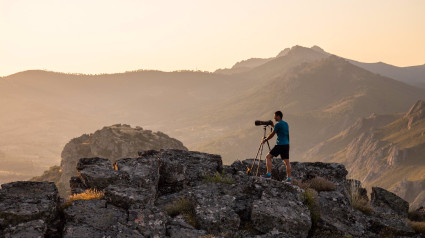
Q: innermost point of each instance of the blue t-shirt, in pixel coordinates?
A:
(281, 128)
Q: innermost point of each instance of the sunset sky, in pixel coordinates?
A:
(101, 36)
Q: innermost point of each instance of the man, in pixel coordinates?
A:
(282, 145)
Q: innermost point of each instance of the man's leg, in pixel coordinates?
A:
(288, 167)
(269, 162)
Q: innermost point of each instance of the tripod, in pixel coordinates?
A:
(259, 151)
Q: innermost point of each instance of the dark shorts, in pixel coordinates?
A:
(282, 150)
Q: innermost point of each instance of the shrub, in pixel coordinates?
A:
(359, 202)
(321, 184)
(86, 195)
(417, 226)
(218, 178)
(310, 199)
(184, 207)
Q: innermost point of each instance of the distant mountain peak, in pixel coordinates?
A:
(283, 52)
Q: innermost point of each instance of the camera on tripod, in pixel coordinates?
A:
(263, 123)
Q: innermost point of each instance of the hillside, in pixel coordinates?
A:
(320, 96)
(381, 150)
(413, 75)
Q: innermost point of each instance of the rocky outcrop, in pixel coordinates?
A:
(167, 194)
(29, 209)
(112, 143)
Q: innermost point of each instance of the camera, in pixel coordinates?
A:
(263, 123)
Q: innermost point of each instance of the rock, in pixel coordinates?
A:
(149, 221)
(112, 142)
(419, 201)
(93, 218)
(77, 185)
(182, 169)
(125, 197)
(97, 173)
(140, 172)
(34, 228)
(278, 167)
(332, 171)
(338, 218)
(178, 228)
(389, 203)
(281, 208)
(213, 210)
(23, 204)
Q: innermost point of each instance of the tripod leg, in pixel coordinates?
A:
(255, 159)
(259, 161)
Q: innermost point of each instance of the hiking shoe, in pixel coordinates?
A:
(288, 180)
(266, 176)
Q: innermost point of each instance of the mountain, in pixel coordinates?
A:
(381, 150)
(319, 99)
(413, 75)
(320, 95)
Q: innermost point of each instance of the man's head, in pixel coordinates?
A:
(278, 115)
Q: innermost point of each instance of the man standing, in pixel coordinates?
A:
(282, 145)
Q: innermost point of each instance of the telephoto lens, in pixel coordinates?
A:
(263, 123)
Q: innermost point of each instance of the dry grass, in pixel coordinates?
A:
(186, 208)
(359, 202)
(321, 184)
(218, 178)
(418, 226)
(311, 200)
(318, 183)
(86, 195)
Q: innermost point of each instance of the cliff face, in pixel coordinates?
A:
(176, 193)
(112, 142)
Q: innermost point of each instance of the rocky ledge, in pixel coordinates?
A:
(177, 193)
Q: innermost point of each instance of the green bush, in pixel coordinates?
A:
(218, 178)
(311, 200)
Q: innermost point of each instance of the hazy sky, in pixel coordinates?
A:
(100, 36)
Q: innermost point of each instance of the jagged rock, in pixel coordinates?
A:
(338, 218)
(281, 208)
(149, 221)
(140, 172)
(35, 228)
(332, 171)
(24, 203)
(181, 169)
(112, 142)
(93, 218)
(390, 226)
(77, 185)
(387, 202)
(213, 210)
(97, 173)
(125, 197)
(178, 228)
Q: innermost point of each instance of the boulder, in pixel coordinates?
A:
(25, 204)
(182, 169)
(281, 209)
(97, 173)
(93, 218)
(387, 202)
